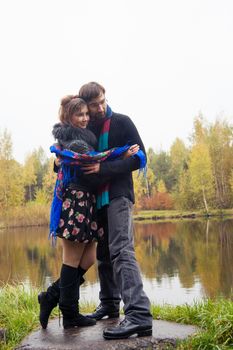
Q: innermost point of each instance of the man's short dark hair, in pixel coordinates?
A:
(90, 91)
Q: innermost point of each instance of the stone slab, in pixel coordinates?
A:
(88, 338)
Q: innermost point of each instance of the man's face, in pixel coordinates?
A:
(97, 107)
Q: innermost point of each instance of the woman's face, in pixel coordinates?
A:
(81, 118)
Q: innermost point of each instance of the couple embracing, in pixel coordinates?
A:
(97, 151)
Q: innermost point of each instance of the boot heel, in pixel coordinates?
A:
(145, 333)
(113, 315)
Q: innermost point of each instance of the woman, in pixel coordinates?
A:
(78, 225)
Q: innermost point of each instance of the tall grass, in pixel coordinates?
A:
(32, 214)
(214, 317)
(19, 316)
(18, 313)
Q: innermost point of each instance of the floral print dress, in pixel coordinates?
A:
(78, 220)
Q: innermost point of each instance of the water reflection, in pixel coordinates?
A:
(180, 261)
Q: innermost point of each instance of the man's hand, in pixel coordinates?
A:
(91, 168)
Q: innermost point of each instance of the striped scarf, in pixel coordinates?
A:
(103, 190)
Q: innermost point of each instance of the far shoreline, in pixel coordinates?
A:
(155, 215)
(38, 216)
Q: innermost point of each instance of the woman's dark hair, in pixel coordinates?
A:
(90, 91)
(70, 105)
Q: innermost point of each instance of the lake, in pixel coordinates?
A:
(180, 261)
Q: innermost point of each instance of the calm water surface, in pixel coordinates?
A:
(180, 261)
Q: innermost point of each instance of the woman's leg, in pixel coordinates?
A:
(87, 260)
(88, 256)
(48, 300)
(72, 252)
(69, 286)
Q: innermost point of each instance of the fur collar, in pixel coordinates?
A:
(65, 133)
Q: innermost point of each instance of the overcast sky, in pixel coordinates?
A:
(161, 62)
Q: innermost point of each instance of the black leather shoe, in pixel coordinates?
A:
(125, 329)
(104, 310)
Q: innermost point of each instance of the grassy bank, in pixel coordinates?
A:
(19, 315)
(178, 214)
(29, 215)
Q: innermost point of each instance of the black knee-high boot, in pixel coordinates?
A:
(81, 273)
(49, 300)
(69, 297)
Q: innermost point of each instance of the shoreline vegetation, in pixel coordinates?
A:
(196, 180)
(33, 214)
(144, 215)
(19, 316)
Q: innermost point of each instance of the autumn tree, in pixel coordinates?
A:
(48, 183)
(201, 176)
(150, 180)
(179, 158)
(41, 164)
(162, 169)
(140, 188)
(183, 196)
(200, 132)
(35, 167)
(231, 184)
(29, 177)
(161, 187)
(11, 182)
(221, 152)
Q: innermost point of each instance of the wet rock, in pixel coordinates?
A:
(88, 338)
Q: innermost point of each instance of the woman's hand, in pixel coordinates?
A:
(131, 151)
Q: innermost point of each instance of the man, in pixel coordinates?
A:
(118, 270)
